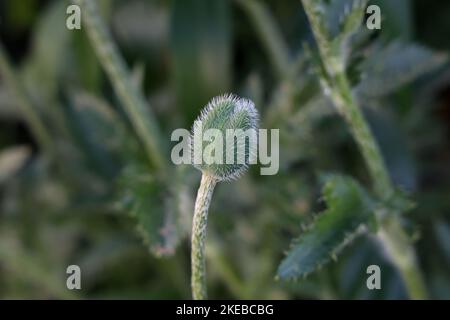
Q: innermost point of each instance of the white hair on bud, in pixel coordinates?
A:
(236, 105)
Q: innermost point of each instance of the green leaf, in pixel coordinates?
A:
(346, 17)
(161, 212)
(102, 135)
(353, 17)
(50, 50)
(442, 234)
(88, 71)
(394, 146)
(12, 159)
(349, 207)
(396, 65)
(200, 40)
(397, 18)
(8, 109)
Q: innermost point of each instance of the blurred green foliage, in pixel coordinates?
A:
(90, 197)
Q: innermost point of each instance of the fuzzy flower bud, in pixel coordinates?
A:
(225, 151)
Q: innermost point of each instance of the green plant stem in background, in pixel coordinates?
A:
(391, 233)
(31, 115)
(403, 254)
(343, 98)
(269, 34)
(34, 272)
(204, 195)
(132, 100)
(218, 262)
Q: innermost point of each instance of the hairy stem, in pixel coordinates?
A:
(204, 195)
(114, 65)
(398, 246)
(37, 127)
(343, 98)
(391, 233)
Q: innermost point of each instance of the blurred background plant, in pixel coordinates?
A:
(82, 181)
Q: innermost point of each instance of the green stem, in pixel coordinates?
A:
(397, 243)
(31, 268)
(37, 127)
(270, 35)
(346, 103)
(114, 65)
(204, 195)
(221, 266)
(391, 233)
